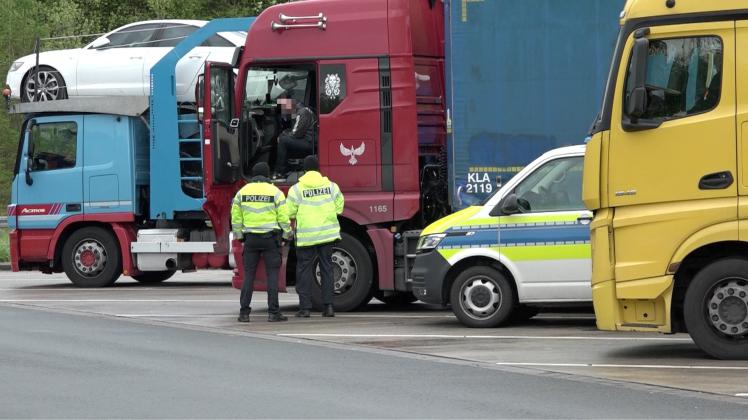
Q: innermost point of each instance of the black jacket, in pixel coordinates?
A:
(303, 127)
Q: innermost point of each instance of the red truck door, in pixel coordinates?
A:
(349, 124)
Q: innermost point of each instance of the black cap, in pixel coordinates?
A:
(261, 168)
(311, 163)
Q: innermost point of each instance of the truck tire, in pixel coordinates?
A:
(352, 273)
(154, 276)
(396, 299)
(716, 309)
(91, 257)
(482, 297)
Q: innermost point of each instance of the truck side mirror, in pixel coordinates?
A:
(636, 104)
(29, 164)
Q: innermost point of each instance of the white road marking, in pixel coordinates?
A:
(336, 315)
(496, 337)
(613, 365)
(742, 394)
(117, 300)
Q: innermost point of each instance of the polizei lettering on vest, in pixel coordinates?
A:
(257, 198)
(314, 192)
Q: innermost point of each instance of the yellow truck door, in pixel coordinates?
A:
(672, 169)
(741, 92)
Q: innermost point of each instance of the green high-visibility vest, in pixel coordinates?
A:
(259, 207)
(315, 202)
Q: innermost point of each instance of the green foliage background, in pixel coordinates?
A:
(23, 20)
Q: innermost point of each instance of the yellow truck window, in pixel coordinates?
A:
(684, 77)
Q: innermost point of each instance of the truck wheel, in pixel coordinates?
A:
(352, 274)
(716, 309)
(91, 258)
(154, 276)
(396, 299)
(482, 297)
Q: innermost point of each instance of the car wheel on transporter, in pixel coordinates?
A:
(154, 276)
(51, 86)
(352, 275)
(91, 257)
(482, 297)
(716, 309)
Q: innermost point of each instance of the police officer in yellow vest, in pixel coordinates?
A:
(259, 215)
(315, 202)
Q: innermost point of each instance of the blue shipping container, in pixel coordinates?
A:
(523, 77)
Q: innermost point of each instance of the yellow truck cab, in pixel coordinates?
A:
(525, 246)
(666, 174)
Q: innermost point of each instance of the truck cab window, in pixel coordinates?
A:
(53, 146)
(684, 77)
(555, 186)
(279, 118)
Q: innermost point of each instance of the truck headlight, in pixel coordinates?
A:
(16, 65)
(430, 241)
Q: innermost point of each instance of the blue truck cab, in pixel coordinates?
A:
(112, 185)
(526, 245)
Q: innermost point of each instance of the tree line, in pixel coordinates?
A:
(66, 20)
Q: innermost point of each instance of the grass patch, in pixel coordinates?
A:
(4, 245)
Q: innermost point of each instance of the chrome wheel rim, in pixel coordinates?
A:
(480, 297)
(344, 271)
(49, 87)
(727, 307)
(89, 258)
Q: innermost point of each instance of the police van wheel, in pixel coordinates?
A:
(716, 309)
(352, 275)
(154, 276)
(91, 258)
(482, 297)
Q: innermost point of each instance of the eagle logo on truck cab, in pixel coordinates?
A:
(332, 85)
(358, 151)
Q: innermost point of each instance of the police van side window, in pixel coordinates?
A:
(555, 186)
(53, 146)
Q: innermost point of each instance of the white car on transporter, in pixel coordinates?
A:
(119, 62)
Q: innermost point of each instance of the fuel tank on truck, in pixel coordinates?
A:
(523, 77)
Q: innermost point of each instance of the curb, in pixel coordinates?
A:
(4, 266)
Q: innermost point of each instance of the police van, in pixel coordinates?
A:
(526, 245)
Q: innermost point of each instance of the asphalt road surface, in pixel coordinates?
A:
(58, 364)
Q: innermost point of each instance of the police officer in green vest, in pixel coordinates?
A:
(259, 216)
(315, 202)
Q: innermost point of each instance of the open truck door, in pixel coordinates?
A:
(223, 161)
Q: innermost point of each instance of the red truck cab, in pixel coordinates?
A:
(372, 73)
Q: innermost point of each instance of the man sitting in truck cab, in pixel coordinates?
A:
(297, 141)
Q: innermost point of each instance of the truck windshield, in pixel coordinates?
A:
(266, 85)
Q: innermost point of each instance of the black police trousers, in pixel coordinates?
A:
(306, 273)
(267, 246)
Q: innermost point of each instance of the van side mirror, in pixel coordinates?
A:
(100, 42)
(636, 104)
(511, 204)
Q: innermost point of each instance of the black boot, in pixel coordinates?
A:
(244, 315)
(328, 312)
(279, 317)
(303, 313)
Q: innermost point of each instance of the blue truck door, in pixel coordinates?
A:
(548, 242)
(107, 176)
(50, 176)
